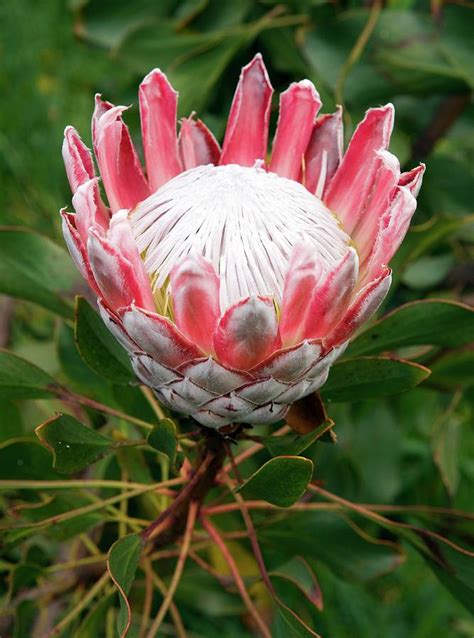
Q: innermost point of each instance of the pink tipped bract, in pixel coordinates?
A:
(235, 277)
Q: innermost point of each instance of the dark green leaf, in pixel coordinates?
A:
(280, 481)
(163, 438)
(298, 629)
(298, 572)
(74, 446)
(294, 444)
(99, 349)
(25, 460)
(371, 377)
(20, 379)
(34, 268)
(430, 322)
(325, 537)
(453, 370)
(122, 564)
(95, 620)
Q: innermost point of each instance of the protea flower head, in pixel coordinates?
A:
(235, 276)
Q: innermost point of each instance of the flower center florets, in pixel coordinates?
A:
(245, 221)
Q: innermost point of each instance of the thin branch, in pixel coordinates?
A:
(357, 50)
(382, 520)
(188, 532)
(83, 603)
(215, 536)
(260, 561)
(157, 526)
(58, 518)
(68, 396)
(174, 613)
(81, 483)
(246, 454)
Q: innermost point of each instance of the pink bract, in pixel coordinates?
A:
(235, 277)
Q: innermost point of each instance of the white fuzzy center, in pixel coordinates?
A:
(246, 221)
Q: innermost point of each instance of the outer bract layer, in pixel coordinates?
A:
(235, 279)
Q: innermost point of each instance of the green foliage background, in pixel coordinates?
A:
(406, 450)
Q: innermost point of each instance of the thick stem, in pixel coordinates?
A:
(171, 523)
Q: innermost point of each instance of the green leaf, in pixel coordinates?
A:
(326, 538)
(122, 564)
(20, 379)
(430, 322)
(34, 268)
(298, 629)
(294, 444)
(280, 481)
(95, 620)
(371, 377)
(446, 451)
(163, 438)
(299, 573)
(427, 272)
(25, 460)
(73, 445)
(453, 370)
(98, 347)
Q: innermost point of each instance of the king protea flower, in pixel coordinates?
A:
(234, 276)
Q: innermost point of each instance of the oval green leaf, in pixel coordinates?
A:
(34, 268)
(294, 444)
(371, 377)
(281, 481)
(73, 445)
(430, 322)
(20, 379)
(163, 438)
(298, 572)
(98, 347)
(122, 564)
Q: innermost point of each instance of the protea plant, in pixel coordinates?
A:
(234, 275)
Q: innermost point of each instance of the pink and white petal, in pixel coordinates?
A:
(324, 152)
(230, 406)
(213, 376)
(386, 179)
(332, 296)
(150, 372)
(392, 229)
(159, 337)
(413, 179)
(114, 274)
(247, 333)
(294, 392)
(158, 110)
(366, 304)
(290, 364)
(192, 392)
(118, 161)
(116, 327)
(195, 293)
(91, 212)
(262, 391)
(353, 180)
(211, 420)
(270, 413)
(246, 137)
(100, 107)
(196, 144)
(77, 249)
(299, 105)
(301, 280)
(77, 159)
(121, 237)
(175, 401)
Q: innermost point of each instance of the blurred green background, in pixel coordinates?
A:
(415, 448)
